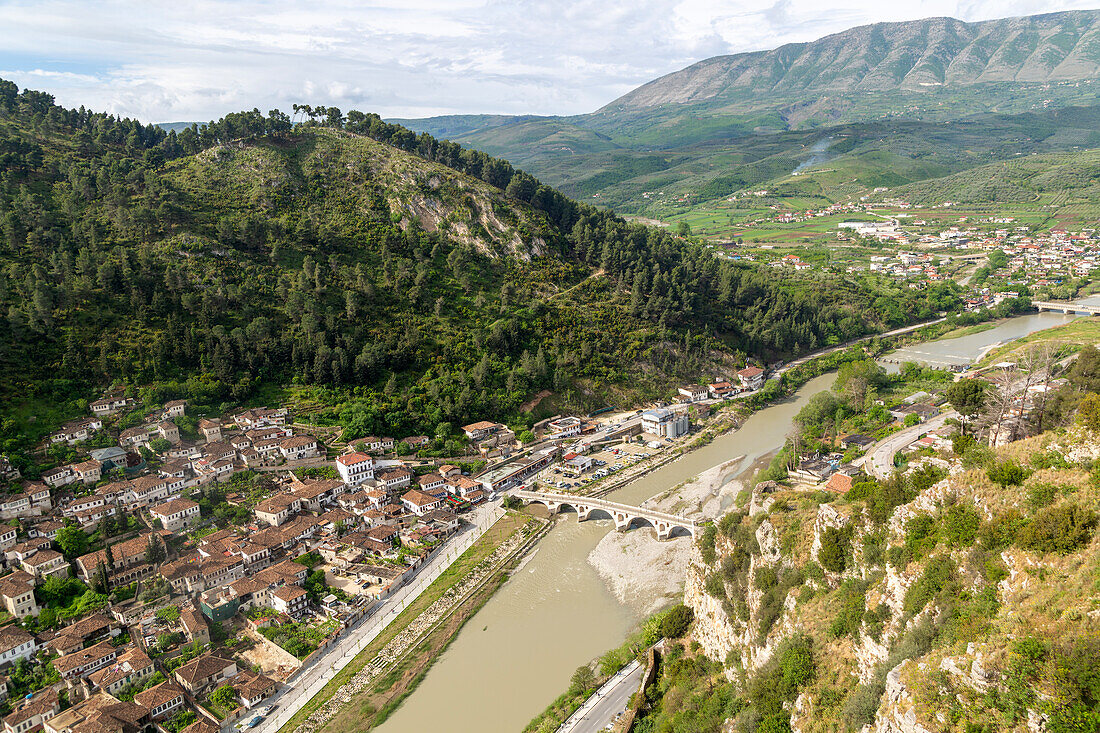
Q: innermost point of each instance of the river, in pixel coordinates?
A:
(518, 652)
(965, 349)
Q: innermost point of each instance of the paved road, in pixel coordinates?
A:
(879, 461)
(610, 700)
(310, 681)
(813, 355)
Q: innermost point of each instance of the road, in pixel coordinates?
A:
(607, 702)
(803, 359)
(879, 461)
(310, 681)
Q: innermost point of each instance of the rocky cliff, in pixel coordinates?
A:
(939, 601)
(914, 55)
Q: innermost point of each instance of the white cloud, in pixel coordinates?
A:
(163, 61)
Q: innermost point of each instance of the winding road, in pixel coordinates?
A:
(879, 461)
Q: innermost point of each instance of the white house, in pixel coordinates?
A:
(176, 513)
(355, 468)
(298, 447)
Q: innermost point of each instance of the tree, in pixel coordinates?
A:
(1088, 412)
(676, 622)
(72, 541)
(968, 397)
(224, 697)
(584, 679)
(154, 551)
(316, 585)
(101, 582)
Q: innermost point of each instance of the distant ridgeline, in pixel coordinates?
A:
(416, 281)
(875, 97)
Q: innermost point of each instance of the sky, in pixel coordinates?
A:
(199, 59)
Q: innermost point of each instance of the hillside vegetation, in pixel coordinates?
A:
(413, 282)
(1063, 178)
(944, 599)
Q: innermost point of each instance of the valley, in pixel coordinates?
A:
(764, 398)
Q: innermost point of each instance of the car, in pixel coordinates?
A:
(255, 721)
(267, 709)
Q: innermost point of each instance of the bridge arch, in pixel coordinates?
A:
(597, 512)
(639, 522)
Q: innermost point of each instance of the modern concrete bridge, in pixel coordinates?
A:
(1044, 305)
(624, 514)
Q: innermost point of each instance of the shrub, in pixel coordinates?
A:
(1000, 532)
(706, 544)
(1060, 529)
(937, 573)
(1048, 459)
(882, 497)
(765, 577)
(875, 621)
(852, 602)
(310, 559)
(960, 442)
(836, 547)
(920, 536)
(960, 525)
(874, 548)
(1041, 495)
(862, 490)
(168, 614)
(779, 681)
(676, 622)
(714, 586)
(977, 456)
(1007, 473)
(735, 563)
(860, 708)
(924, 477)
(729, 522)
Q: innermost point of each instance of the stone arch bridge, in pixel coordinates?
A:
(624, 515)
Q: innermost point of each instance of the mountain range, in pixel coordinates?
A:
(677, 132)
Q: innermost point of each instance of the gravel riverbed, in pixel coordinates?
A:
(647, 574)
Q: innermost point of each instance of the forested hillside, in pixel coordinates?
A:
(416, 281)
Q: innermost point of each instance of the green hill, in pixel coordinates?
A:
(412, 282)
(1062, 178)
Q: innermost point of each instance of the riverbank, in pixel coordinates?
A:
(410, 625)
(649, 575)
